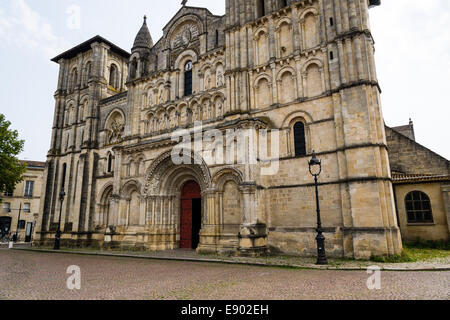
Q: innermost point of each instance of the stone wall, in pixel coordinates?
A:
(408, 156)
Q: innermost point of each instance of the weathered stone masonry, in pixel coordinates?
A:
(264, 65)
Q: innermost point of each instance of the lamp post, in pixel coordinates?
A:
(315, 168)
(62, 194)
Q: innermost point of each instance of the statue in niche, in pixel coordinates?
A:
(151, 98)
(210, 111)
(172, 120)
(206, 110)
(208, 82)
(219, 78)
(161, 96)
(166, 121)
(162, 122)
(195, 114)
(219, 108)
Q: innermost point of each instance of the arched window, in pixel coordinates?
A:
(88, 73)
(133, 68)
(418, 208)
(113, 76)
(299, 139)
(282, 4)
(89, 70)
(74, 79)
(110, 163)
(188, 78)
(261, 8)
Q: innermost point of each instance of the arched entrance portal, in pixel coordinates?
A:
(191, 215)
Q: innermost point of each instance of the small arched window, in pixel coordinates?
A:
(133, 68)
(88, 73)
(282, 4)
(110, 163)
(299, 139)
(113, 76)
(418, 208)
(188, 78)
(74, 79)
(261, 8)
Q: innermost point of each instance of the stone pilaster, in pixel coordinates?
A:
(252, 234)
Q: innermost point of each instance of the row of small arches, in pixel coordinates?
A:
(289, 86)
(284, 36)
(184, 114)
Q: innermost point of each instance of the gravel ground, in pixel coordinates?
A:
(33, 275)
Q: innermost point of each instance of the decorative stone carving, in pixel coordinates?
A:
(185, 35)
(115, 132)
(219, 81)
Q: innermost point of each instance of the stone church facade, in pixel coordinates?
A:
(305, 68)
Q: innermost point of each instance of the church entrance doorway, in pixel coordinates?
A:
(191, 215)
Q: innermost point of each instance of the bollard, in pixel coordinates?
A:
(11, 245)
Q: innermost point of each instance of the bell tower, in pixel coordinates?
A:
(327, 49)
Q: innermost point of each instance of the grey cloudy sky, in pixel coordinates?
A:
(412, 41)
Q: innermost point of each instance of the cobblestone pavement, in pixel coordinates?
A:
(32, 275)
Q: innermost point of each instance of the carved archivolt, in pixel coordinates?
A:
(225, 175)
(162, 166)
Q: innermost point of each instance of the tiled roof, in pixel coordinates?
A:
(33, 164)
(85, 46)
(408, 178)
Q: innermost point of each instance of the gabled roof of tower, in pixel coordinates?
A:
(143, 38)
(86, 46)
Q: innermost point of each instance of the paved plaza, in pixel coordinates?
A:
(34, 275)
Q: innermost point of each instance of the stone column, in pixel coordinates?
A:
(252, 234)
(252, 92)
(143, 208)
(299, 77)
(274, 84)
(150, 213)
(295, 27)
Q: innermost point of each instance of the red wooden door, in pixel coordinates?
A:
(190, 191)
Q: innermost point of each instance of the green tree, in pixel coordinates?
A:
(11, 170)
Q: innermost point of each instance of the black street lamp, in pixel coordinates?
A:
(62, 194)
(15, 237)
(315, 168)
